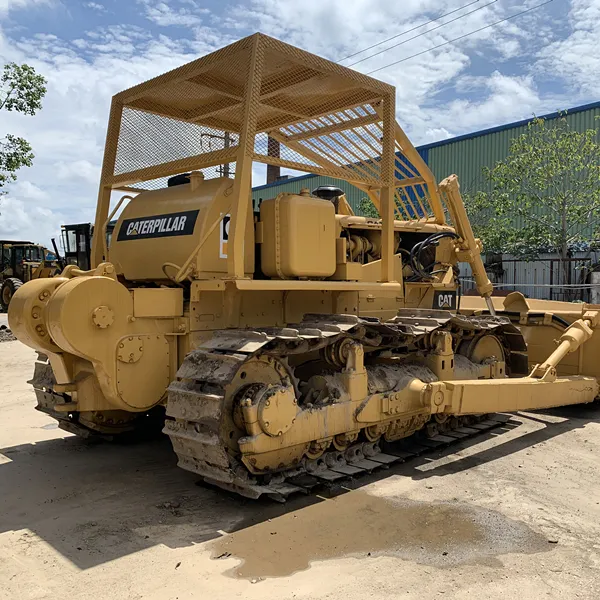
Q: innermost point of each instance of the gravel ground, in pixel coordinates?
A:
(6, 334)
(514, 514)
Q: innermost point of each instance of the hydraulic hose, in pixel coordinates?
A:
(417, 249)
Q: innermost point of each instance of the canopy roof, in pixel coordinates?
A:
(263, 100)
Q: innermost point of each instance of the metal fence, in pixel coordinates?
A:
(541, 278)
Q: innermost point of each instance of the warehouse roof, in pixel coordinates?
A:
(425, 147)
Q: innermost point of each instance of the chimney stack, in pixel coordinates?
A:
(273, 172)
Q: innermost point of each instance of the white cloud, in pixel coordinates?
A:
(12, 5)
(496, 76)
(165, 14)
(503, 99)
(78, 170)
(334, 28)
(575, 58)
(68, 134)
(509, 48)
(435, 134)
(27, 221)
(100, 8)
(28, 191)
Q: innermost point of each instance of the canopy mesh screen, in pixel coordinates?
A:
(147, 140)
(272, 103)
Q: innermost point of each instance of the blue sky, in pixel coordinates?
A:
(537, 63)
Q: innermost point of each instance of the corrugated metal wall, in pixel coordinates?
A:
(467, 155)
(537, 278)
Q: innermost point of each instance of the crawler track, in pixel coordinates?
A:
(334, 470)
(201, 426)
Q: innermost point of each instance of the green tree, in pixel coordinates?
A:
(367, 208)
(21, 90)
(544, 196)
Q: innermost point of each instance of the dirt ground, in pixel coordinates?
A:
(512, 514)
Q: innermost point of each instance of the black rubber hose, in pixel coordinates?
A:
(417, 249)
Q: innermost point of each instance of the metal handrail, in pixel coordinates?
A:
(182, 273)
(108, 220)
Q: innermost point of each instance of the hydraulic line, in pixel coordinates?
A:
(417, 249)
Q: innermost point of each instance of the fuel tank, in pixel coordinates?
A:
(158, 230)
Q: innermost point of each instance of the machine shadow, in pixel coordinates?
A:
(94, 503)
(575, 417)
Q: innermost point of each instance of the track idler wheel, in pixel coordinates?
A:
(343, 440)
(337, 353)
(374, 432)
(442, 421)
(317, 449)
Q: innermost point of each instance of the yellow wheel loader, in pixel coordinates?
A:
(300, 341)
(20, 262)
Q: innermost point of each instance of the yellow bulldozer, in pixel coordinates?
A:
(300, 341)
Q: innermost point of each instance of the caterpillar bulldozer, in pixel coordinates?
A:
(300, 340)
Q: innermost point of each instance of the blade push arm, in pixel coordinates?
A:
(470, 247)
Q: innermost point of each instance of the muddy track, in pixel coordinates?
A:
(340, 470)
(319, 475)
(200, 414)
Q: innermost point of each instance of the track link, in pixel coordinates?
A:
(199, 419)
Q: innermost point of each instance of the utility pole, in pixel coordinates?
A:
(226, 141)
(223, 170)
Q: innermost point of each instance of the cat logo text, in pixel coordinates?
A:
(444, 300)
